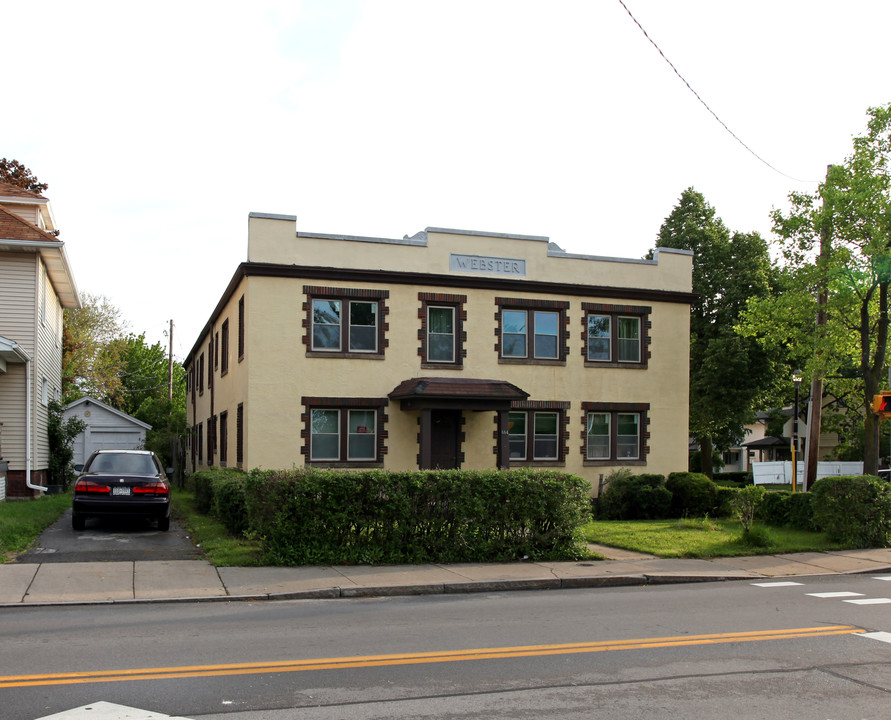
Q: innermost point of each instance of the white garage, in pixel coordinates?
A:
(107, 428)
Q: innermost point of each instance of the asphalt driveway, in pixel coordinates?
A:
(106, 540)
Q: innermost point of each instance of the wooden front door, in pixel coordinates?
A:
(445, 428)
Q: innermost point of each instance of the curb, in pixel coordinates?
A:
(464, 588)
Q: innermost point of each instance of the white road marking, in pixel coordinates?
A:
(108, 711)
(777, 584)
(880, 636)
(835, 594)
(870, 601)
(882, 577)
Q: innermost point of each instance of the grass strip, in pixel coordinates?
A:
(22, 521)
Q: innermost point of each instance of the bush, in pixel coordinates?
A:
(724, 501)
(202, 483)
(229, 503)
(309, 516)
(737, 478)
(692, 494)
(746, 503)
(854, 510)
(774, 508)
(634, 497)
(801, 511)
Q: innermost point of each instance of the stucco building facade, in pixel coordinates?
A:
(450, 349)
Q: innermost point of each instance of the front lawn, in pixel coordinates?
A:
(702, 538)
(22, 521)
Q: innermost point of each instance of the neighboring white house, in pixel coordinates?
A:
(36, 285)
(107, 428)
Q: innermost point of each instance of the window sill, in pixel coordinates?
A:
(344, 355)
(441, 366)
(343, 465)
(530, 361)
(623, 365)
(537, 463)
(614, 463)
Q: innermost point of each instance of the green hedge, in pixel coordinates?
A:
(220, 492)
(855, 510)
(692, 494)
(308, 516)
(634, 497)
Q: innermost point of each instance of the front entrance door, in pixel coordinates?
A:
(445, 426)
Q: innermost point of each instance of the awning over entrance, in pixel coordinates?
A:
(457, 393)
(439, 402)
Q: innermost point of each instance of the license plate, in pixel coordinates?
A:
(120, 490)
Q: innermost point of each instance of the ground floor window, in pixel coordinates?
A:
(614, 432)
(536, 430)
(344, 430)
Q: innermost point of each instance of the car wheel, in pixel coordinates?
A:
(78, 522)
(164, 524)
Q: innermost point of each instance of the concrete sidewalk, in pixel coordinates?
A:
(29, 585)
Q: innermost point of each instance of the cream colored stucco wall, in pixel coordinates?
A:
(280, 373)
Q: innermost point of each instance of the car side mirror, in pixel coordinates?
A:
(78, 467)
(169, 471)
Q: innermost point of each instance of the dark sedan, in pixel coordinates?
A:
(122, 483)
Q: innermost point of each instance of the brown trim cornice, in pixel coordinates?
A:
(399, 277)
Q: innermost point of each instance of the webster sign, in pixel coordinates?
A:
(493, 265)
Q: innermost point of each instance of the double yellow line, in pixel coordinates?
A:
(192, 671)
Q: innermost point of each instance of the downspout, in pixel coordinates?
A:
(29, 450)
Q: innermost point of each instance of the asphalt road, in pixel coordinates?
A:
(107, 540)
(815, 648)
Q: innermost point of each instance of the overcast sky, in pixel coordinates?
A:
(159, 126)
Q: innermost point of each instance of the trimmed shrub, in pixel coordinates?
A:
(774, 508)
(692, 494)
(229, 502)
(737, 478)
(310, 516)
(724, 501)
(202, 484)
(801, 511)
(746, 504)
(854, 510)
(634, 497)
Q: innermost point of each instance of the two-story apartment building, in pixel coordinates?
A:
(36, 283)
(448, 349)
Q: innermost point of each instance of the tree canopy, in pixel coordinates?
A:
(835, 244)
(12, 171)
(729, 374)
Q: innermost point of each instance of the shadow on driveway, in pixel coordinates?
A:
(108, 540)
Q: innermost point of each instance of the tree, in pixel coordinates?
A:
(60, 438)
(12, 171)
(729, 373)
(835, 246)
(92, 350)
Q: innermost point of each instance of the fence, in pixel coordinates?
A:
(780, 473)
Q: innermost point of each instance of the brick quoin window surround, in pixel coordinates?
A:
(531, 332)
(616, 335)
(344, 432)
(441, 335)
(615, 433)
(345, 322)
(537, 431)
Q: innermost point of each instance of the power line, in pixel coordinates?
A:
(704, 103)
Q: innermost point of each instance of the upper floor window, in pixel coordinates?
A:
(346, 321)
(442, 330)
(531, 330)
(241, 327)
(615, 335)
(224, 347)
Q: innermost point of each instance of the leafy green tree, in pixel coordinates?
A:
(12, 171)
(92, 350)
(60, 438)
(729, 374)
(834, 244)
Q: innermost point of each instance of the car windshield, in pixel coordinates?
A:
(125, 463)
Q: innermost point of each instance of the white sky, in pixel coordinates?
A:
(159, 126)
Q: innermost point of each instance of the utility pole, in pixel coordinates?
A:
(815, 402)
